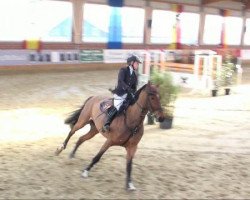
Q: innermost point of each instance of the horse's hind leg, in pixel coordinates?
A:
(104, 148)
(79, 124)
(92, 132)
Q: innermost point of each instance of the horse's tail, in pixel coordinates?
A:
(72, 119)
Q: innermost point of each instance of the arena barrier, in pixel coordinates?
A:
(200, 75)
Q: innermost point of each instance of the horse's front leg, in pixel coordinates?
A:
(103, 149)
(130, 155)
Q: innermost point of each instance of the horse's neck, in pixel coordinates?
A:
(135, 112)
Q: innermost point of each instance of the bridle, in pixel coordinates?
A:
(149, 106)
(144, 111)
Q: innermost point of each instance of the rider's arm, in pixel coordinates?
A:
(121, 79)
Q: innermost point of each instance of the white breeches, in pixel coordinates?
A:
(118, 100)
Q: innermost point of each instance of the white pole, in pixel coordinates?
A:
(239, 71)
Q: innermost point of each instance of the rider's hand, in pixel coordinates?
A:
(131, 93)
(130, 90)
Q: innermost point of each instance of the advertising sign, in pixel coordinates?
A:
(13, 57)
(91, 56)
(119, 56)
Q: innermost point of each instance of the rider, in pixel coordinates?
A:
(127, 83)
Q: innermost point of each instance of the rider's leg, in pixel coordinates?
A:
(112, 111)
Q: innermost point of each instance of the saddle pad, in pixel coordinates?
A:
(104, 105)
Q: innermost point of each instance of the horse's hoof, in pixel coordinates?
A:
(59, 150)
(85, 173)
(131, 187)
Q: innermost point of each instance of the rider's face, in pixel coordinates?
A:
(136, 65)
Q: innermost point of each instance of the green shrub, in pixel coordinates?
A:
(167, 89)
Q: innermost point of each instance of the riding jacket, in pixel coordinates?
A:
(127, 82)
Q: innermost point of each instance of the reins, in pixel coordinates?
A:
(144, 111)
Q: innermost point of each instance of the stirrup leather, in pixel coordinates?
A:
(111, 115)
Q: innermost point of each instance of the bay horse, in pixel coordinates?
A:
(126, 129)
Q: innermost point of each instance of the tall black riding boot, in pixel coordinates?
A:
(112, 111)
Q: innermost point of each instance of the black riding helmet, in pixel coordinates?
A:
(133, 58)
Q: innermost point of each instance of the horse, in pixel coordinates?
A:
(126, 129)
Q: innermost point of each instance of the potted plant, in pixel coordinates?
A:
(215, 88)
(168, 93)
(227, 74)
(151, 119)
(216, 82)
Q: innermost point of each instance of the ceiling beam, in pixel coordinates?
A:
(247, 4)
(238, 1)
(206, 2)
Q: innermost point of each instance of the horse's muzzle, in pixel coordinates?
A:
(161, 119)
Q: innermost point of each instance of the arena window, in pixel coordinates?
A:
(56, 25)
(13, 24)
(233, 30)
(247, 32)
(132, 30)
(162, 26)
(28, 21)
(212, 29)
(96, 27)
(189, 34)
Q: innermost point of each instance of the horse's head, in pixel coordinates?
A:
(154, 104)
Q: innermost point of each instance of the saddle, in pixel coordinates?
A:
(106, 104)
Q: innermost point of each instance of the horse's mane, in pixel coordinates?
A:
(137, 94)
(131, 101)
